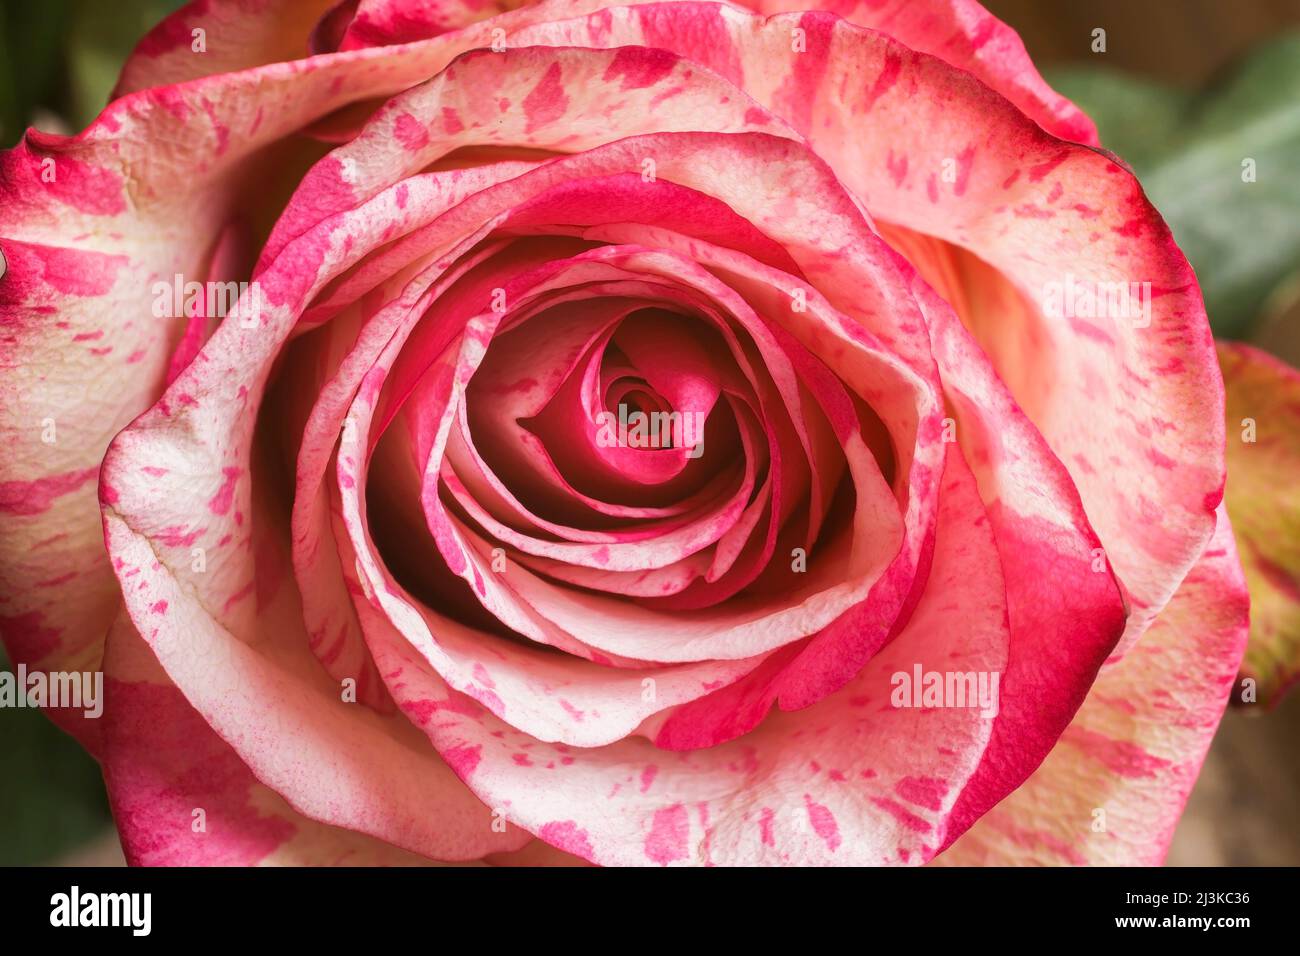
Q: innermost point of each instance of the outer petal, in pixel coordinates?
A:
(960, 32)
(1114, 787)
(182, 797)
(235, 34)
(378, 22)
(964, 34)
(1263, 498)
(335, 762)
(1065, 607)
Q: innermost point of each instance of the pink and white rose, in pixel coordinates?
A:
(370, 585)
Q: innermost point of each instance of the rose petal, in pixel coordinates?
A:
(208, 37)
(382, 22)
(998, 203)
(157, 212)
(333, 380)
(303, 243)
(335, 762)
(1065, 606)
(384, 161)
(182, 797)
(1148, 389)
(1111, 792)
(791, 792)
(964, 34)
(263, 691)
(551, 698)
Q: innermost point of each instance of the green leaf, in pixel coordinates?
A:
(102, 36)
(1137, 118)
(1241, 237)
(31, 62)
(52, 800)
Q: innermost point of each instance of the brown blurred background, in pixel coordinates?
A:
(1185, 42)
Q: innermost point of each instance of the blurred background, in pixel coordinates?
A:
(1181, 88)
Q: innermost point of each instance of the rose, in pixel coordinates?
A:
(373, 587)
